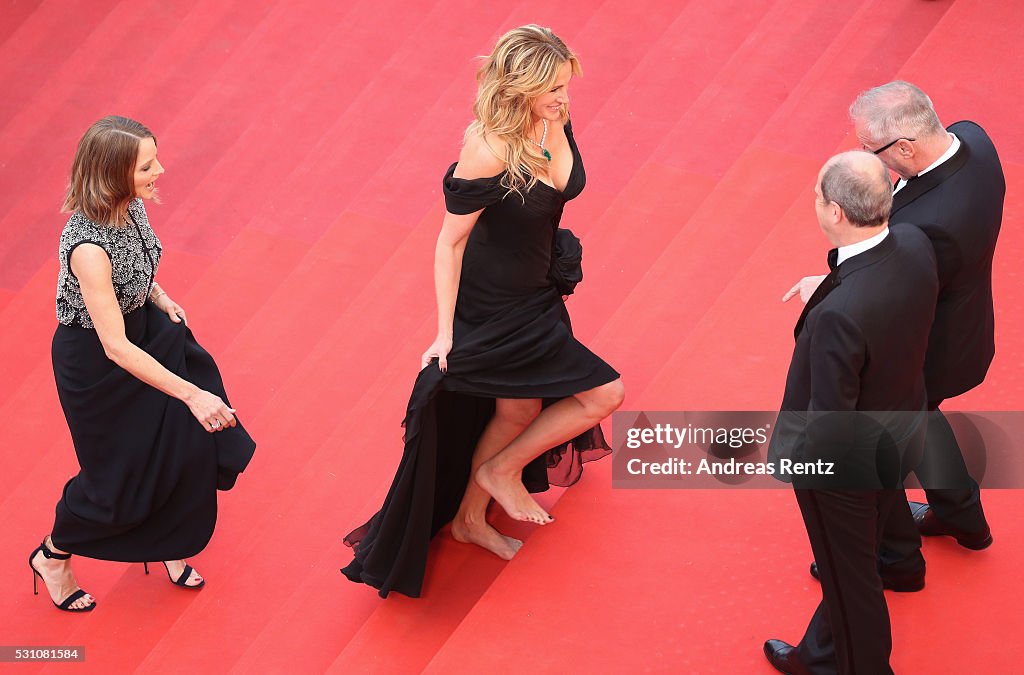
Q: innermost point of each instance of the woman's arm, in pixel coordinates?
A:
(478, 159)
(91, 265)
(451, 243)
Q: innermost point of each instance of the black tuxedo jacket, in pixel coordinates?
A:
(959, 205)
(860, 345)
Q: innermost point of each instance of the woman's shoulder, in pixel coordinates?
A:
(474, 182)
(80, 228)
(137, 206)
(482, 156)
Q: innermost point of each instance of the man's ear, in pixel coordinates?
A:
(836, 211)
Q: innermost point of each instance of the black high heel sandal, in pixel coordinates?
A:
(186, 573)
(65, 605)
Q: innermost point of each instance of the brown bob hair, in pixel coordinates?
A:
(102, 181)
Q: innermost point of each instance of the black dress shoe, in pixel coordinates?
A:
(783, 658)
(930, 526)
(901, 583)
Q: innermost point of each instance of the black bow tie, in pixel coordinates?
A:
(833, 258)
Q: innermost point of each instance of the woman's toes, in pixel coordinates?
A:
(195, 578)
(83, 602)
(540, 517)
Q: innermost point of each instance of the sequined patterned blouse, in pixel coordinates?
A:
(134, 251)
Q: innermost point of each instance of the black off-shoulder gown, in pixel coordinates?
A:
(511, 339)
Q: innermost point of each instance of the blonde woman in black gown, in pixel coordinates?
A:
(508, 401)
(154, 435)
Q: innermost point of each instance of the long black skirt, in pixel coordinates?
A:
(508, 357)
(147, 489)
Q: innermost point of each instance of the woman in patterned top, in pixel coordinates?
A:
(154, 435)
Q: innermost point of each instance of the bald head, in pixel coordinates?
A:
(859, 183)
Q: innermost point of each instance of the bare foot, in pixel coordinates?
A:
(175, 569)
(510, 493)
(59, 579)
(485, 536)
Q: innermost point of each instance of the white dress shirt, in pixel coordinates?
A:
(950, 151)
(847, 252)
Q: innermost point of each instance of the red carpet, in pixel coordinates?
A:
(304, 142)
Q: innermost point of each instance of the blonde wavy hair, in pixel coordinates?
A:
(102, 181)
(523, 65)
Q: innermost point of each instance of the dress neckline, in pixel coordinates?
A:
(572, 171)
(567, 129)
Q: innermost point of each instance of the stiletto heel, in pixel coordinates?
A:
(145, 566)
(65, 604)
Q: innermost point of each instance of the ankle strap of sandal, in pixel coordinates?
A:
(52, 555)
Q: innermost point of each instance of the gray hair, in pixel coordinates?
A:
(859, 183)
(896, 110)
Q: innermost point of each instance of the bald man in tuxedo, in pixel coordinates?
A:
(859, 356)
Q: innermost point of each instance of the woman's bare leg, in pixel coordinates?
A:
(501, 475)
(470, 524)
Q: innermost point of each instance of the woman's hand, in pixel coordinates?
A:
(169, 307)
(211, 411)
(439, 349)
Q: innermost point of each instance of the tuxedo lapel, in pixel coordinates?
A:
(835, 277)
(826, 286)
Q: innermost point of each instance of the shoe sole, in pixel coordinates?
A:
(904, 588)
(972, 544)
(975, 546)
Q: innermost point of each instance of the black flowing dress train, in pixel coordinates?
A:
(147, 489)
(511, 339)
